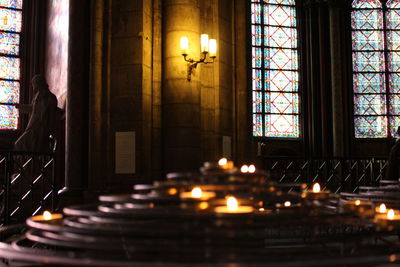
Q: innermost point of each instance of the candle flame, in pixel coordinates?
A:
(357, 202)
(47, 215)
(287, 204)
(390, 214)
(382, 208)
(252, 168)
(203, 205)
(244, 169)
(222, 162)
(232, 204)
(261, 209)
(172, 191)
(316, 188)
(196, 192)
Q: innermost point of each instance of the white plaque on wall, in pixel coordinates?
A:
(125, 153)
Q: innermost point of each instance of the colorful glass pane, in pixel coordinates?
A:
(256, 13)
(393, 4)
(257, 84)
(280, 37)
(278, 80)
(279, 15)
(370, 126)
(370, 104)
(367, 19)
(393, 39)
(276, 58)
(394, 122)
(280, 2)
(393, 18)
(281, 103)
(9, 68)
(368, 61)
(10, 20)
(366, 4)
(257, 57)
(394, 61)
(369, 83)
(9, 92)
(8, 117)
(11, 3)
(394, 83)
(9, 43)
(257, 102)
(257, 125)
(394, 105)
(367, 40)
(277, 125)
(256, 35)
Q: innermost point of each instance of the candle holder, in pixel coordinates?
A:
(208, 47)
(387, 221)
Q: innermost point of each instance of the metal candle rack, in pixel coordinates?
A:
(162, 222)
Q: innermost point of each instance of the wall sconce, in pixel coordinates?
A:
(206, 47)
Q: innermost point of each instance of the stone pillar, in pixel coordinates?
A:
(181, 98)
(76, 150)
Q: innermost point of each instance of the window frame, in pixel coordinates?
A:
(300, 70)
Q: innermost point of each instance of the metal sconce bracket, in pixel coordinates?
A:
(192, 64)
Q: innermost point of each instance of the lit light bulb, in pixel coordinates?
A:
(382, 208)
(47, 215)
(213, 47)
(184, 45)
(232, 204)
(287, 204)
(197, 192)
(252, 168)
(204, 43)
(222, 162)
(244, 169)
(390, 214)
(316, 188)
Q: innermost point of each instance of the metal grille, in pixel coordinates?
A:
(28, 185)
(335, 174)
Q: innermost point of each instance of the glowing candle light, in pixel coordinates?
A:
(172, 191)
(184, 45)
(197, 192)
(252, 168)
(204, 43)
(287, 204)
(47, 215)
(357, 202)
(316, 188)
(213, 47)
(203, 205)
(244, 169)
(390, 214)
(232, 204)
(222, 162)
(382, 208)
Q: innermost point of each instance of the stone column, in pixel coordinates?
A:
(181, 98)
(76, 150)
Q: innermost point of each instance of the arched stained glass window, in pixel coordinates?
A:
(275, 90)
(10, 62)
(376, 68)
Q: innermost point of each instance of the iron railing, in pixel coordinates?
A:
(27, 185)
(336, 174)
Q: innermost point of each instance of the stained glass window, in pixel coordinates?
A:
(10, 62)
(275, 75)
(376, 67)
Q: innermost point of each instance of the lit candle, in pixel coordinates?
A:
(184, 45)
(233, 207)
(388, 221)
(225, 164)
(252, 168)
(316, 193)
(361, 207)
(46, 216)
(213, 47)
(287, 204)
(197, 193)
(381, 208)
(204, 43)
(244, 169)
